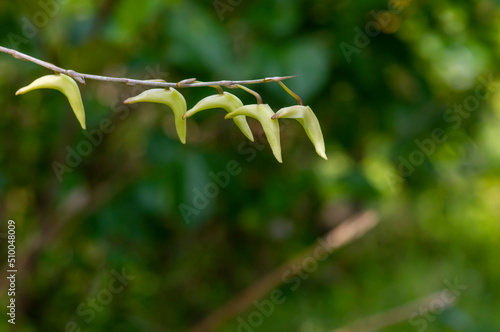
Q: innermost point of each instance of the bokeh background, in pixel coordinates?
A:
(119, 207)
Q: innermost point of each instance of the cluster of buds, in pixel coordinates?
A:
(227, 101)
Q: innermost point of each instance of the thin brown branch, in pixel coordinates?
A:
(396, 315)
(189, 83)
(346, 232)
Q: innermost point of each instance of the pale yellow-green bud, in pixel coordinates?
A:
(67, 86)
(170, 97)
(305, 116)
(228, 102)
(263, 113)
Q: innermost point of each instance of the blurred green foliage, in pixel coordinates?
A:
(119, 208)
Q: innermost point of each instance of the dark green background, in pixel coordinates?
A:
(119, 208)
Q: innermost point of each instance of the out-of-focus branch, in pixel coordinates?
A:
(395, 315)
(348, 231)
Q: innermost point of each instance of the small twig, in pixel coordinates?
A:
(219, 89)
(291, 93)
(189, 83)
(254, 93)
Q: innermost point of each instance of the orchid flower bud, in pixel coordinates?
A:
(170, 97)
(305, 116)
(263, 113)
(64, 84)
(226, 101)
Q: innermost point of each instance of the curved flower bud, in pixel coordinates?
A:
(305, 116)
(226, 101)
(263, 113)
(173, 99)
(67, 86)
